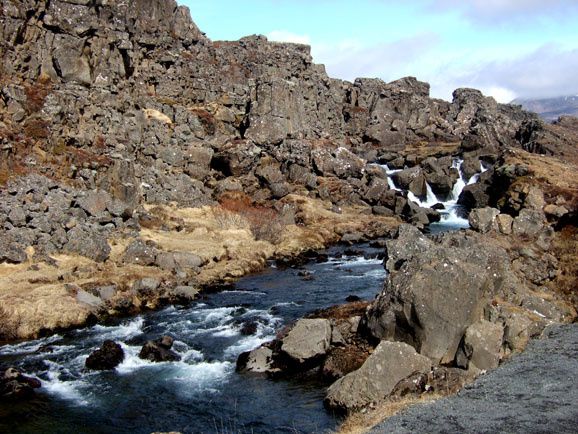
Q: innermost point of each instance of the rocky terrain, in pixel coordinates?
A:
(543, 402)
(142, 162)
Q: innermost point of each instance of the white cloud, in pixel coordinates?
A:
(546, 72)
(286, 36)
(500, 94)
(350, 59)
(492, 11)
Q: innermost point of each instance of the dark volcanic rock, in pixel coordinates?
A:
(88, 242)
(390, 363)
(308, 339)
(108, 356)
(15, 386)
(435, 290)
(411, 179)
(159, 350)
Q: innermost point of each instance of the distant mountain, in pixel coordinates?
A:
(551, 108)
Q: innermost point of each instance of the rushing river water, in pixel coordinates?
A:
(202, 393)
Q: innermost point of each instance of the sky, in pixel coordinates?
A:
(506, 48)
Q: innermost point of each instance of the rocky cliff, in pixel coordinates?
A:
(117, 116)
(138, 82)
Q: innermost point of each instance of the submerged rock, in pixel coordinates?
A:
(15, 386)
(108, 356)
(159, 350)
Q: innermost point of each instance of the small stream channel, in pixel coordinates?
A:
(202, 393)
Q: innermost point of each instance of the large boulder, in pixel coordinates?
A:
(178, 261)
(390, 363)
(411, 179)
(435, 290)
(308, 339)
(108, 356)
(440, 175)
(88, 242)
(260, 360)
(481, 346)
(338, 162)
(11, 252)
(528, 223)
(95, 202)
(482, 219)
(140, 252)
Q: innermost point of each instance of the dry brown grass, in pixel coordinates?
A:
(424, 150)
(36, 93)
(565, 249)
(9, 325)
(546, 169)
(361, 422)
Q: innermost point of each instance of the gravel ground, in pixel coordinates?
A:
(534, 392)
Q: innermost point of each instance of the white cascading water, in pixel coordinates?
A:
(389, 172)
(450, 214)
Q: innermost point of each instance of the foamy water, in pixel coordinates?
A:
(203, 387)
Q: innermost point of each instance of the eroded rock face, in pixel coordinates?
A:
(139, 106)
(435, 290)
(390, 363)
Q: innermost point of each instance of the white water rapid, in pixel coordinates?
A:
(450, 215)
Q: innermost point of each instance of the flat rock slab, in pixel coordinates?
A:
(309, 338)
(534, 392)
(389, 363)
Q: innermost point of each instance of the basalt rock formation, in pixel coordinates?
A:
(141, 160)
(113, 105)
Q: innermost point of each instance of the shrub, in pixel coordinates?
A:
(8, 326)
(206, 119)
(238, 210)
(36, 128)
(36, 94)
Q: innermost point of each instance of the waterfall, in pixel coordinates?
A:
(450, 214)
(390, 182)
(430, 200)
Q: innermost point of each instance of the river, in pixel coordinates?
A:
(202, 393)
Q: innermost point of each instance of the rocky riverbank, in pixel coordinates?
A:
(142, 162)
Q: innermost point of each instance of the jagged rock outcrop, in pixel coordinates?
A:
(435, 290)
(132, 102)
